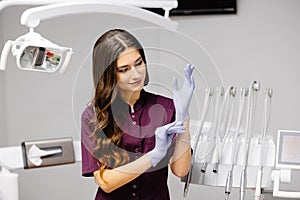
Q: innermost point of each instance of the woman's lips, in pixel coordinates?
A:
(136, 82)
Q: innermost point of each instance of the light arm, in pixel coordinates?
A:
(32, 17)
(167, 5)
(4, 54)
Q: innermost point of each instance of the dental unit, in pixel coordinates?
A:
(223, 153)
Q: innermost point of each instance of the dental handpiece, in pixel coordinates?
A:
(203, 167)
(228, 185)
(215, 167)
(214, 155)
(187, 182)
(258, 185)
(188, 179)
(243, 182)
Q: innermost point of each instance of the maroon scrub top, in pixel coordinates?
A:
(150, 111)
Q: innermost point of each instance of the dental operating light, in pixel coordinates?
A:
(35, 53)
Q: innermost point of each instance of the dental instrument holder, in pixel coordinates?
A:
(285, 163)
(42, 153)
(219, 179)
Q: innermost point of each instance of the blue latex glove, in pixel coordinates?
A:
(182, 97)
(163, 139)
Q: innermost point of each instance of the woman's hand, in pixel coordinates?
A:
(163, 139)
(182, 97)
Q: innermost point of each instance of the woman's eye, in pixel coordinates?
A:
(139, 63)
(122, 70)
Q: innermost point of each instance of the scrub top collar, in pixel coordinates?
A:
(139, 103)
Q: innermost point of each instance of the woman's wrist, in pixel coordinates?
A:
(185, 137)
(185, 140)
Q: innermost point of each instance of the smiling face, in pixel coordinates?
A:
(130, 72)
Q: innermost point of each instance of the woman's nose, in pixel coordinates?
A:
(134, 72)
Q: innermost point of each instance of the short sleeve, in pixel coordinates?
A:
(89, 162)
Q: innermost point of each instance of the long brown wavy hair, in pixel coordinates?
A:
(107, 133)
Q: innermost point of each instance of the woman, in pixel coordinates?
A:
(128, 134)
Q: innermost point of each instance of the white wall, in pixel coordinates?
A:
(3, 136)
(261, 43)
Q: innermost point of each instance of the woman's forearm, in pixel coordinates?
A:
(112, 179)
(180, 162)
